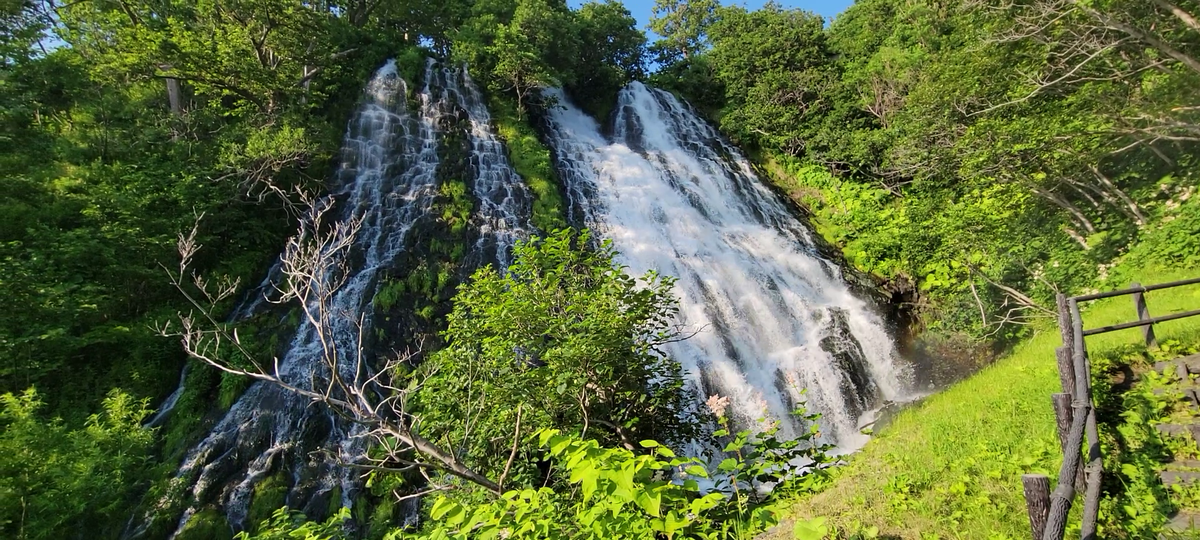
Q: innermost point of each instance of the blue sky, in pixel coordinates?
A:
(826, 8)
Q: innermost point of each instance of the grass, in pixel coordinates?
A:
(950, 466)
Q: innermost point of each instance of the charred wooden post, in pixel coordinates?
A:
(1064, 491)
(1094, 467)
(1066, 368)
(1065, 329)
(1063, 416)
(1143, 313)
(1037, 501)
(1066, 372)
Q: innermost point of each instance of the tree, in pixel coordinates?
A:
(530, 49)
(772, 63)
(258, 54)
(611, 55)
(55, 479)
(683, 24)
(23, 24)
(564, 340)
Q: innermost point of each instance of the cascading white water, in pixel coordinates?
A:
(504, 200)
(672, 195)
(772, 316)
(388, 183)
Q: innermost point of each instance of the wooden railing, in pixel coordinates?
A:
(1075, 416)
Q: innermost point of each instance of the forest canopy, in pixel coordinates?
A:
(975, 157)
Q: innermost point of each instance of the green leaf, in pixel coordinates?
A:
(558, 443)
(650, 503)
(811, 529)
(441, 507)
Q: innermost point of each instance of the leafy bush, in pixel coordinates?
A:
(614, 493)
(55, 479)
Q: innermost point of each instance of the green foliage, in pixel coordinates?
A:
(133, 120)
(286, 525)
(516, 46)
(601, 492)
(1135, 449)
(55, 479)
(683, 26)
(457, 205)
(387, 295)
(208, 524)
(770, 63)
(566, 340)
(517, 43)
(611, 56)
(270, 494)
(1173, 242)
(617, 493)
(531, 159)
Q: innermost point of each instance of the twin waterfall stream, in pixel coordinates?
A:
(771, 315)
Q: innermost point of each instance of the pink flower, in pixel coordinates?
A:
(717, 405)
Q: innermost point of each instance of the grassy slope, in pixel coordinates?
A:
(950, 467)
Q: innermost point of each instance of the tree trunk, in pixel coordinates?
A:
(1134, 209)
(174, 91)
(174, 97)
(1121, 195)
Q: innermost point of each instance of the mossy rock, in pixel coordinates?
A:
(382, 519)
(270, 494)
(206, 524)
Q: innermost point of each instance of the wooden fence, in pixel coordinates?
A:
(1076, 417)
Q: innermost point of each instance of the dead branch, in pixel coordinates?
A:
(314, 270)
(1016, 295)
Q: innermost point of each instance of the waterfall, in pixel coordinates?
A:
(388, 183)
(504, 200)
(771, 316)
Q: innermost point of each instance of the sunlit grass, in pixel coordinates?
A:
(950, 466)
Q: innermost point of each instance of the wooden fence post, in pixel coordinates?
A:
(1062, 420)
(1066, 371)
(1094, 465)
(1065, 330)
(1037, 501)
(1062, 417)
(1066, 367)
(1143, 313)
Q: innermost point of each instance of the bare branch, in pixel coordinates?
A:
(314, 269)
